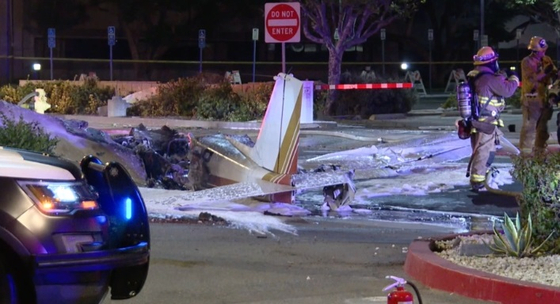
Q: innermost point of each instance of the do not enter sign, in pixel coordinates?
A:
(282, 22)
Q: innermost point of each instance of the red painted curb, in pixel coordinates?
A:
(436, 272)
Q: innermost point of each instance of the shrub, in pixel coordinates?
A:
(254, 102)
(319, 102)
(516, 240)
(65, 97)
(174, 98)
(205, 97)
(218, 102)
(25, 135)
(367, 102)
(540, 174)
(69, 98)
(14, 94)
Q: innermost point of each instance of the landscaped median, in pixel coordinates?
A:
(428, 268)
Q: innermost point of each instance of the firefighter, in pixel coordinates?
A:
(537, 72)
(491, 87)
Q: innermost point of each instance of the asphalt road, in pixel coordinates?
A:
(342, 260)
(329, 261)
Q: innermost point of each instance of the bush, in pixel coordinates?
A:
(14, 94)
(205, 97)
(368, 102)
(319, 102)
(27, 136)
(65, 97)
(254, 102)
(540, 174)
(69, 98)
(174, 98)
(217, 102)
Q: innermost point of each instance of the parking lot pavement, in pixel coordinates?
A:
(328, 261)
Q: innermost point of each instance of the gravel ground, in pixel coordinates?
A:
(541, 270)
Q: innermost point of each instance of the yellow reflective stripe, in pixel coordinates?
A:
(477, 178)
(493, 102)
(497, 122)
(496, 103)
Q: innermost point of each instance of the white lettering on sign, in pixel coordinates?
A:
(288, 14)
(282, 31)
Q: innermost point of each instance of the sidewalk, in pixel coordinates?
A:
(427, 114)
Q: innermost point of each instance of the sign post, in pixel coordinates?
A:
(484, 41)
(52, 44)
(476, 38)
(282, 24)
(255, 38)
(383, 36)
(111, 39)
(201, 45)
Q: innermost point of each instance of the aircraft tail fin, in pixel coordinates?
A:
(276, 147)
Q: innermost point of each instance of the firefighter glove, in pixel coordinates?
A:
(510, 73)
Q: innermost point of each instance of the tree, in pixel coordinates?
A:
(58, 14)
(153, 27)
(541, 11)
(342, 24)
(453, 23)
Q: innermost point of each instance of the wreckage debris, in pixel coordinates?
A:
(170, 163)
(205, 217)
(336, 196)
(167, 156)
(164, 153)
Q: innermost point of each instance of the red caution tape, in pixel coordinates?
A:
(364, 86)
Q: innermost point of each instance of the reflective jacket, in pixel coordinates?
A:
(492, 89)
(534, 79)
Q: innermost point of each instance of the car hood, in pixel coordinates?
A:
(29, 165)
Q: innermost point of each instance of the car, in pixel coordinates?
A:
(69, 233)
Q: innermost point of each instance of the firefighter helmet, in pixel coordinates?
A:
(485, 55)
(537, 44)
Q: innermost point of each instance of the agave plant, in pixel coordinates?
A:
(515, 241)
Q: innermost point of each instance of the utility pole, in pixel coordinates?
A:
(481, 22)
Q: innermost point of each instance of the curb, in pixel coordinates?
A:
(387, 116)
(127, 122)
(436, 272)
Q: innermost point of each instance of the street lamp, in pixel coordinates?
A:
(36, 69)
(404, 66)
